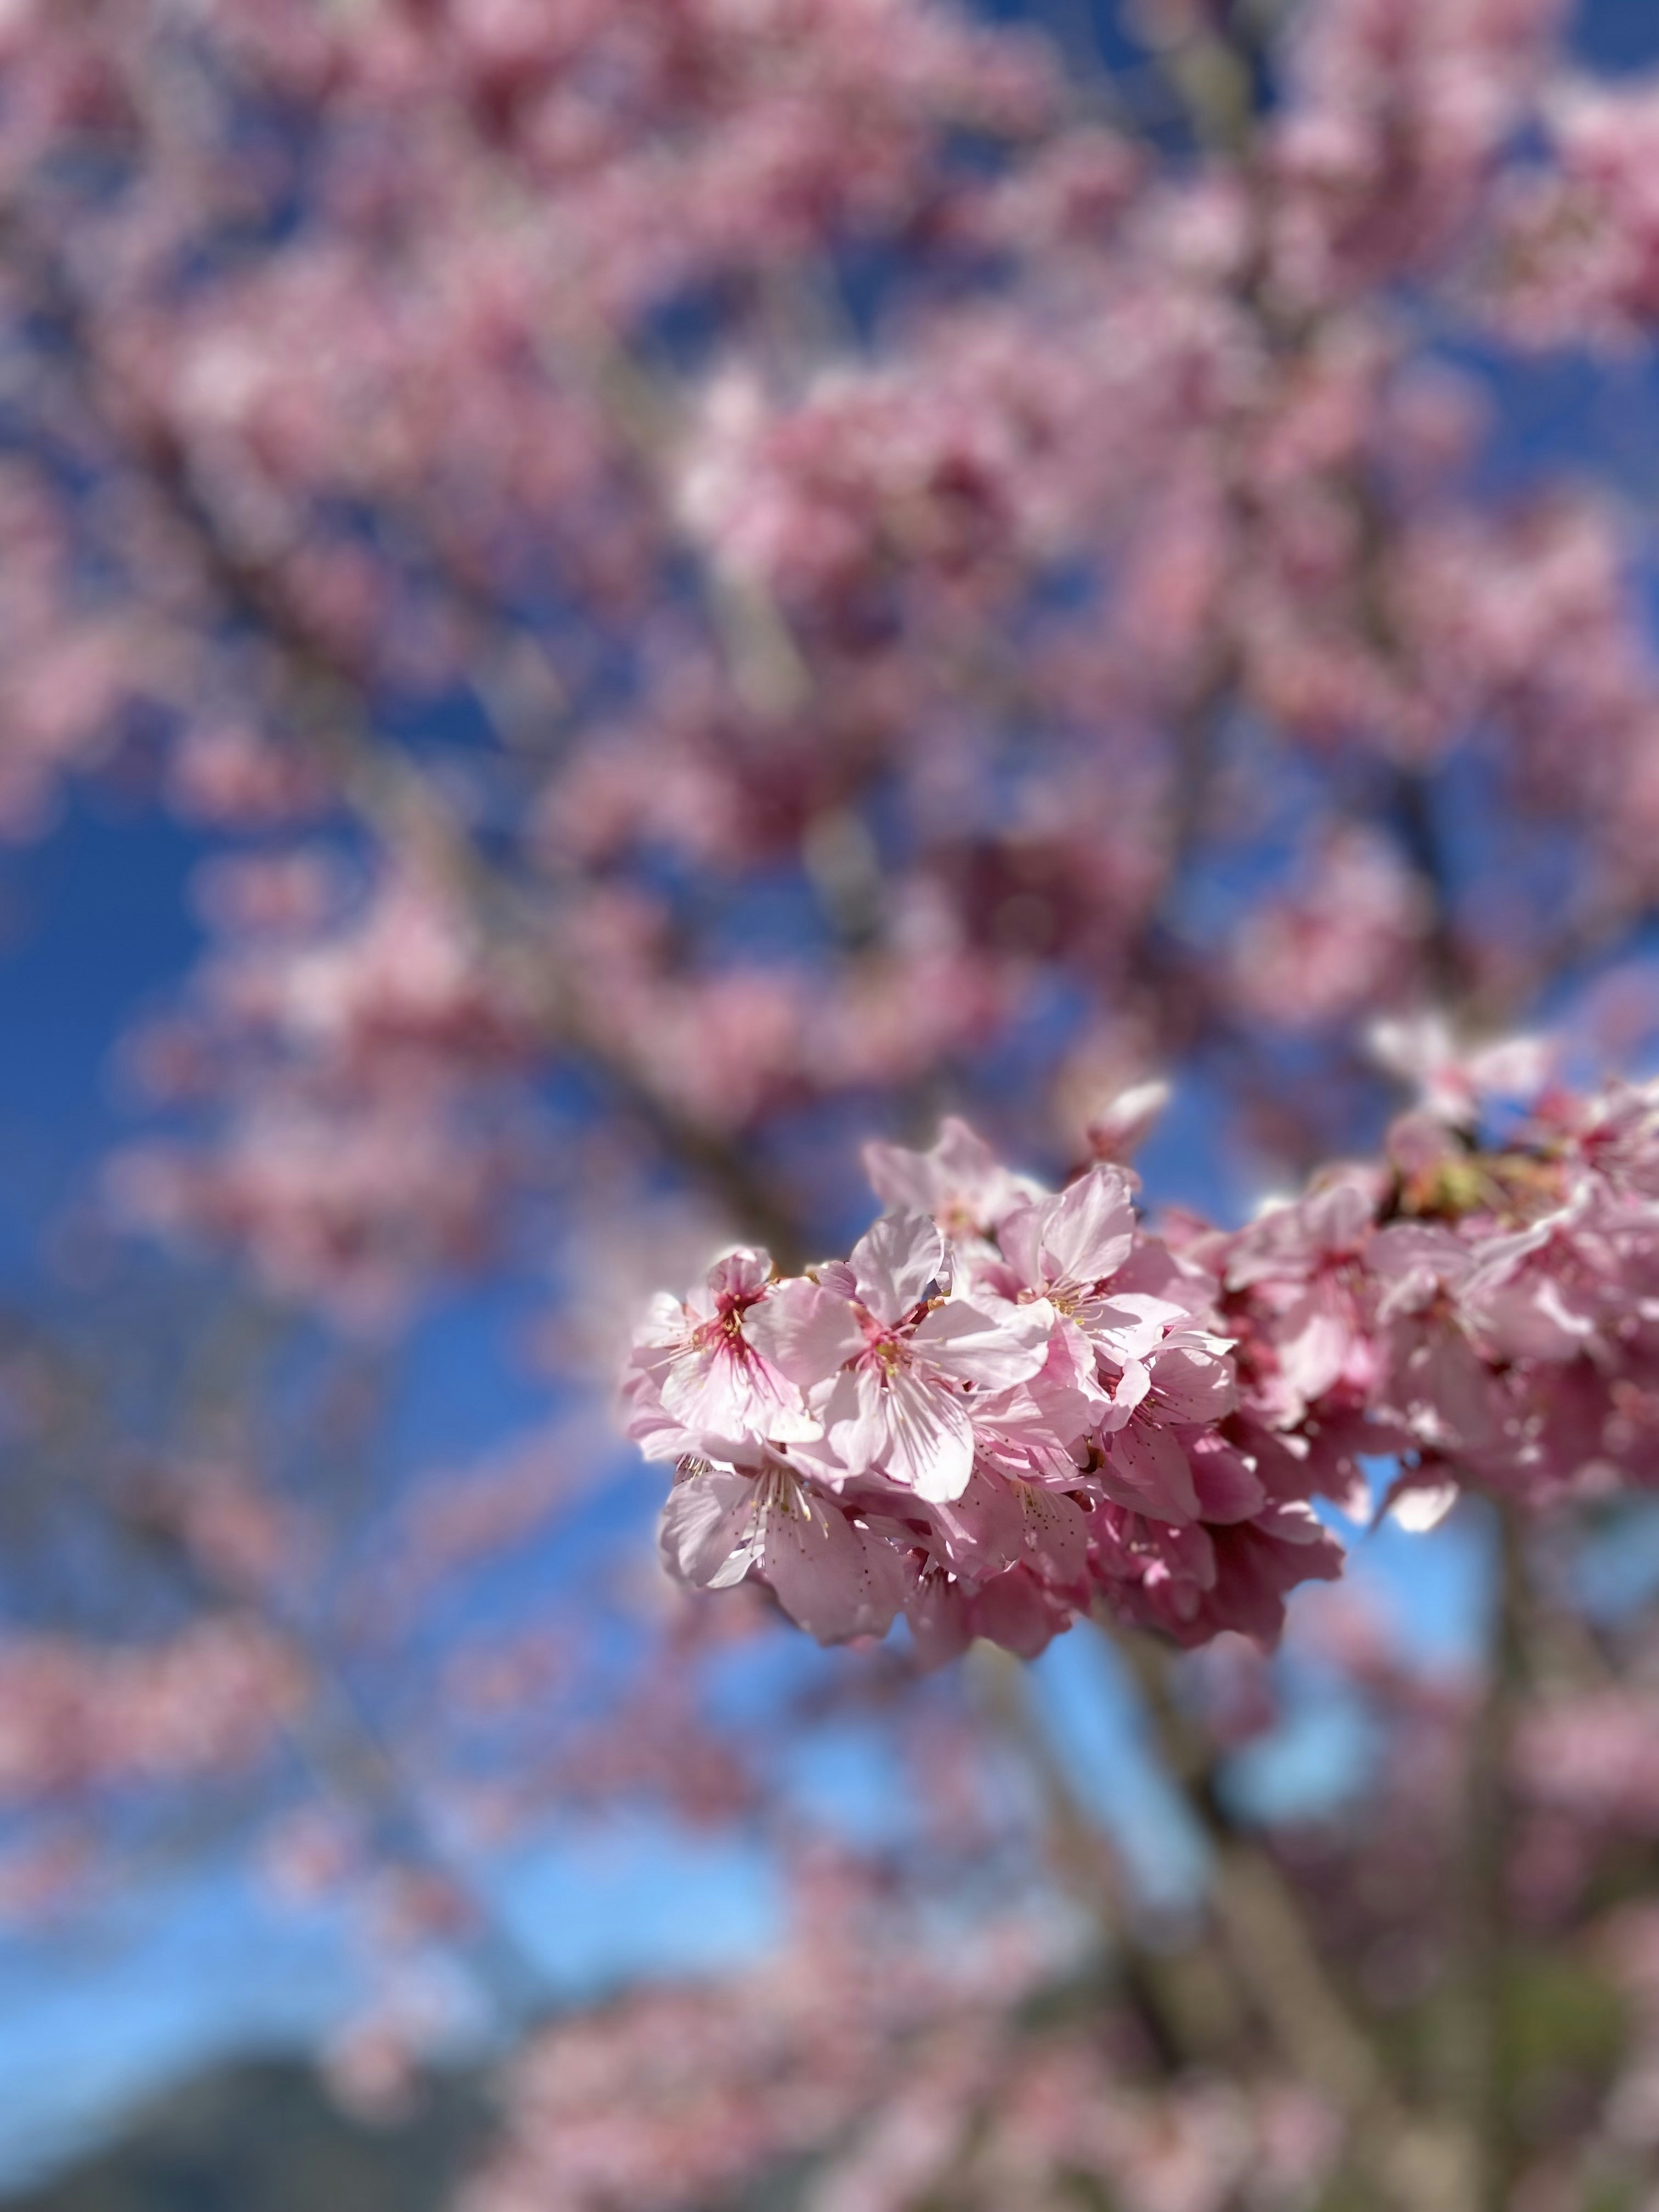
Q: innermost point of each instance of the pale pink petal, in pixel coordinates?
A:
(1035, 1425)
(806, 1332)
(983, 1530)
(1056, 1533)
(960, 1182)
(914, 1431)
(664, 1322)
(1118, 1130)
(959, 1165)
(1128, 1325)
(1193, 1386)
(726, 1390)
(1338, 1217)
(1133, 1388)
(1315, 1340)
(706, 1533)
(1089, 1229)
(992, 1353)
(1021, 1240)
(1068, 1382)
(1147, 1469)
(742, 1273)
(1527, 1318)
(1420, 1501)
(836, 1275)
(1447, 1392)
(895, 1262)
(832, 1579)
(648, 1423)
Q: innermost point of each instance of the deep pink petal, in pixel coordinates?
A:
(1228, 1486)
(1016, 1611)
(937, 1611)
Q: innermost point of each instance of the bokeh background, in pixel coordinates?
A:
(600, 604)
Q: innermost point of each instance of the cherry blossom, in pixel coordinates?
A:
(1000, 1432)
(888, 1359)
(703, 580)
(836, 1578)
(699, 1367)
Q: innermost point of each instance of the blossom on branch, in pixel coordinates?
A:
(991, 1435)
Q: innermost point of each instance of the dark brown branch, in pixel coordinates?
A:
(1478, 2067)
(1425, 846)
(1186, 2001)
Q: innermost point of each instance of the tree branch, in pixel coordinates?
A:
(382, 783)
(1478, 2063)
(1416, 2165)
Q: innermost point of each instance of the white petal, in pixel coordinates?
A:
(1420, 1507)
(911, 1429)
(930, 1442)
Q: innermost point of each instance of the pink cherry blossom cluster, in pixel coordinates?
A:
(656, 2103)
(1005, 1406)
(346, 1214)
(888, 2072)
(728, 1047)
(481, 197)
(359, 1046)
(1481, 1309)
(787, 546)
(1402, 116)
(1579, 247)
(1009, 1405)
(963, 605)
(1328, 946)
(75, 1719)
